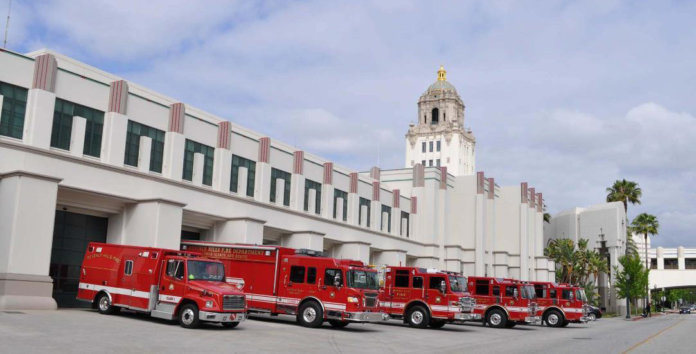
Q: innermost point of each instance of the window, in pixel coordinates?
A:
(175, 269)
(482, 287)
(496, 291)
(407, 231)
(62, 126)
(435, 116)
(431, 146)
(275, 175)
(540, 291)
(437, 162)
(386, 209)
(343, 195)
(430, 163)
(311, 275)
(689, 263)
(671, 263)
(366, 203)
(297, 274)
(438, 145)
(418, 282)
(424, 146)
(510, 291)
(237, 162)
(135, 131)
(128, 268)
(14, 106)
(190, 235)
(330, 276)
(401, 279)
(653, 263)
(565, 294)
(208, 152)
(435, 282)
(552, 293)
(309, 184)
(423, 162)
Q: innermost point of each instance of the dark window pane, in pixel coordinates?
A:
(237, 162)
(309, 184)
(297, 274)
(13, 109)
(311, 275)
(208, 152)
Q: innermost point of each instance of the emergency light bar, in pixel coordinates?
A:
(308, 252)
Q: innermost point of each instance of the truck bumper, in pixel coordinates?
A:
(467, 317)
(532, 319)
(584, 319)
(365, 316)
(221, 316)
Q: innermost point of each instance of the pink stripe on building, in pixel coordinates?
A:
(479, 182)
(118, 96)
(418, 175)
(224, 135)
(298, 162)
(45, 70)
(443, 177)
(491, 188)
(532, 198)
(328, 172)
(540, 202)
(414, 205)
(177, 112)
(353, 182)
(375, 191)
(396, 196)
(264, 149)
(524, 192)
(375, 173)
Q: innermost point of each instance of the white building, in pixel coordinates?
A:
(604, 226)
(672, 267)
(86, 156)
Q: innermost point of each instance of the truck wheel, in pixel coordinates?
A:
(565, 323)
(591, 317)
(104, 305)
(497, 318)
(310, 315)
(554, 318)
(230, 324)
(338, 324)
(188, 316)
(418, 317)
(435, 324)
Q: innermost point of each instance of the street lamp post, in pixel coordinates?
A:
(628, 287)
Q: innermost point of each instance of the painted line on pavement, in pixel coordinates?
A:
(652, 337)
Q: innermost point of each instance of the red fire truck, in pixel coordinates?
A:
(165, 283)
(304, 283)
(560, 304)
(426, 297)
(503, 302)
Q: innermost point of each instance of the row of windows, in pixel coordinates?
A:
(137, 130)
(208, 152)
(62, 126)
(301, 275)
(237, 162)
(14, 105)
(401, 280)
(430, 163)
(430, 144)
(673, 263)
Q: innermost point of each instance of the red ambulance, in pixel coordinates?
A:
(303, 283)
(503, 302)
(560, 304)
(168, 284)
(426, 297)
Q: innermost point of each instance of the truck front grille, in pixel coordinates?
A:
(370, 300)
(233, 302)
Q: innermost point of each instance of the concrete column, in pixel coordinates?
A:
(363, 216)
(480, 233)
(680, 258)
(660, 253)
(427, 262)
(222, 169)
(304, 239)
(113, 148)
(1, 100)
(41, 100)
(198, 168)
(144, 154)
(297, 184)
(149, 223)
(353, 209)
(77, 136)
(390, 257)
(173, 161)
(376, 216)
(262, 182)
(339, 209)
(327, 207)
(238, 230)
(242, 180)
(280, 191)
(353, 250)
(396, 222)
(312, 201)
(27, 217)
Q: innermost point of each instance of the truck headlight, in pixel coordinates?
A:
(353, 299)
(208, 304)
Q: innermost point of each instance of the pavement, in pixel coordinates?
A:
(82, 330)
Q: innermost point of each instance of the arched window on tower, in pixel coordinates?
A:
(444, 116)
(425, 119)
(435, 116)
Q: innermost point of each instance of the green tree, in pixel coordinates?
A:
(547, 218)
(624, 191)
(632, 280)
(645, 224)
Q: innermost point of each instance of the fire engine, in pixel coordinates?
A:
(503, 302)
(426, 297)
(560, 304)
(165, 283)
(304, 283)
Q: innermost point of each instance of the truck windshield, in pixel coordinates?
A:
(580, 295)
(457, 283)
(528, 292)
(362, 280)
(202, 270)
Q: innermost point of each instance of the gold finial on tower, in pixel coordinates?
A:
(442, 74)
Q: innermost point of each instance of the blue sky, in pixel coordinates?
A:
(568, 96)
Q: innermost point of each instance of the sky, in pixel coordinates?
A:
(567, 96)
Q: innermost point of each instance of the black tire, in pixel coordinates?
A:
(496, 318)
(310, 315)
(435, 324)
(338, 324)
(188, 316)
(230, 324)
(565, 323)
(554, 318)
(104, 305)
(510, 324)
(418, 317)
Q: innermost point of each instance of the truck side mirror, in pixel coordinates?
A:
(443, 287)
(337, 280)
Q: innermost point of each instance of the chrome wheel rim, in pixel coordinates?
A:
(592, 317)
(104, 303)
(188, 316)
(553, 319)
(416, 317)
(309, 314)
(496, 319)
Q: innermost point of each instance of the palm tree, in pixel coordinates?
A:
(624, 191)
(547, 218)
(645, 224)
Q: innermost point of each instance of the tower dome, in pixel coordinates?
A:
(441, 84)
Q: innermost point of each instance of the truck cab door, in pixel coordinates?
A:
(172, 282)
(434, 293)
(128, 282)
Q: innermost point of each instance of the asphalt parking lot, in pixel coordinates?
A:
(70, 331)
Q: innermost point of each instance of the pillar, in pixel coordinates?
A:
(353, 250)
(238, 230)
(327, 195)
(304, 239)
(418, 195)
(113, 147)
(198, 169)
(680, 258)
(77, 136)
(297, 182)
(376, 209)
(353, 200)
(41, 101)
(222, 163)
(148, 223)
(396, 224)
(27, 217)
(174, 143)
(262, 182)
(660, 253)
(144, 154)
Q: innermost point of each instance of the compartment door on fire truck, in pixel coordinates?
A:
(298, 282)
(404, 290)
(128, 283)
(173, 281)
